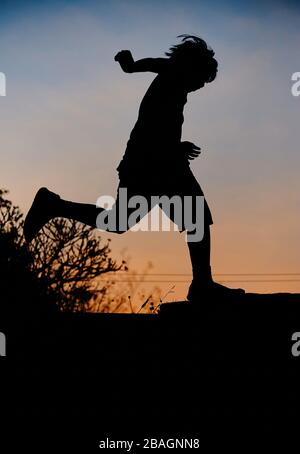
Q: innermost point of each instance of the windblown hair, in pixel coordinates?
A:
(194, 50)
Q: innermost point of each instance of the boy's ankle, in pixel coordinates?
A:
(202, 277)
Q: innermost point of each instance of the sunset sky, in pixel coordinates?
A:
(69, 111)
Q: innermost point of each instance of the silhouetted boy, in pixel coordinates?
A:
(155, 162)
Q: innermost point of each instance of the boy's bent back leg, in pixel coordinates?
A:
(48, 205)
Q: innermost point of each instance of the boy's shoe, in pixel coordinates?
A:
(43, 209)
(211, 289)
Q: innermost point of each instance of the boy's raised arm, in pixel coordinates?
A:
(128, 64)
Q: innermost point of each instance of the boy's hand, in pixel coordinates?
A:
(190, 150)
(125, 59)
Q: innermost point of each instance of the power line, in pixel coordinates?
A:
(144, 278)
(187, 281)
(215, 274)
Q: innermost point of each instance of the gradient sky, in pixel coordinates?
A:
(69, 111)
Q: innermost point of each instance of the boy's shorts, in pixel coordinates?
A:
(180, 182)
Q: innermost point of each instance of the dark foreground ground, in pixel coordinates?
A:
(216, 371)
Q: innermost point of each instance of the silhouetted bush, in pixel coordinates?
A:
(58, 269)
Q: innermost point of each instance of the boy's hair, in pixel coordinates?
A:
(194, 50)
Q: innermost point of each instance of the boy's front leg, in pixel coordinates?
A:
(203, 283)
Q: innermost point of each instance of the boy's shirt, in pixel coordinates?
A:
(155, 139)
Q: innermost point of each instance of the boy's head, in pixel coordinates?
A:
(195, 59)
